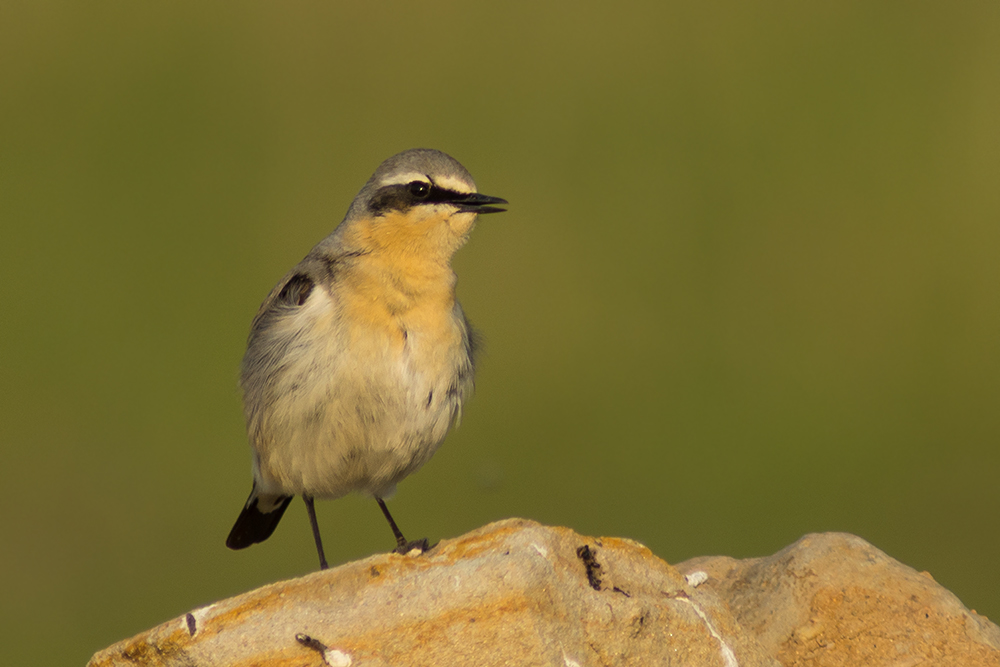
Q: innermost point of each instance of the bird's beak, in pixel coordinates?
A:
(477, 203)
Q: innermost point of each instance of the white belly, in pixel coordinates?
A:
(328, 414)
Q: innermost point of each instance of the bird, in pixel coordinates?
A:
(360, 359)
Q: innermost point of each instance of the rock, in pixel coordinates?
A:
(519, 593)
(834, 599)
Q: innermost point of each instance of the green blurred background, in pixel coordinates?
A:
(747, 287)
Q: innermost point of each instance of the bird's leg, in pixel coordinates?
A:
(402, 546)
(315, 527)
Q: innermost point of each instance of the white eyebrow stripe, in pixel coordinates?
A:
(445, 182)
(455, 185)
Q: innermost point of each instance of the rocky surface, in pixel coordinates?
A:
(519, 593)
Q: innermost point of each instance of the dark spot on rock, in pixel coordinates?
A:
(589, 559)
(310, 642)
(192, 625)
(637, 624)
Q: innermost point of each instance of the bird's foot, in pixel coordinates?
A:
(420, 546)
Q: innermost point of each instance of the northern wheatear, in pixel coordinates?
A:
(360, 358)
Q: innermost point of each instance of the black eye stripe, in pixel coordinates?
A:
(401, 197)
(440, 195)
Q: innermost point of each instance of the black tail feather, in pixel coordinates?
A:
(259, 518)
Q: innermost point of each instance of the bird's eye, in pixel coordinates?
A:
(420, 189)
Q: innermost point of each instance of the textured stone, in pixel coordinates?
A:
(518, 593)
(834, 599)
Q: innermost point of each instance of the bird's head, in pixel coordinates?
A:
(421, 201)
